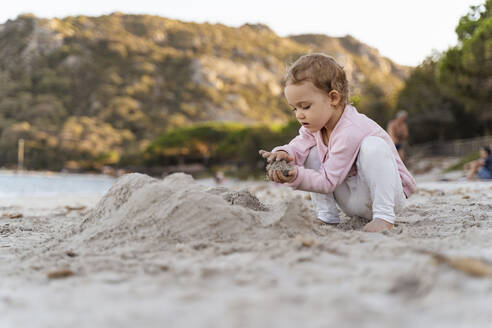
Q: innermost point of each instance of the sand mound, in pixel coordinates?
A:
(245, 199)
(141, 214)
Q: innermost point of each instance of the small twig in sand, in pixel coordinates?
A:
(61, 273)
(468, 265)
(71, 253)
(12, 215)
(304, 241)
(75, 208)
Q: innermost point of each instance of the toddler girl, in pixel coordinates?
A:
(341, 156)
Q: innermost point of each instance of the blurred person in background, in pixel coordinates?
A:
(482, 167)
(398, 131)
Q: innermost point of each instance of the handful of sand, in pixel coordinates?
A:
(282, 166)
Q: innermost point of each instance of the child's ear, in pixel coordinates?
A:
(335, 98)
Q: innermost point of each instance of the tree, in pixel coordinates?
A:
(431, 113)
(465, 71)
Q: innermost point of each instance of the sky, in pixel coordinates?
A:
(406, 31)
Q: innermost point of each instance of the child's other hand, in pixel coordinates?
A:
(277, 176)
(276, 156)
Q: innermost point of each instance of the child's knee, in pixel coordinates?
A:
(374, 149)
(374, 146)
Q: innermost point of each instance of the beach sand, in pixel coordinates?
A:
(176, 253)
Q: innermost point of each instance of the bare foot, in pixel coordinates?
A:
(377, 225)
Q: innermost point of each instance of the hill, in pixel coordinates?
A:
(82, 89)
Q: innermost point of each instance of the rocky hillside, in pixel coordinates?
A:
(90, 87)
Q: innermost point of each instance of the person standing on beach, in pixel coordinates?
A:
(398, 131)
(341, 156)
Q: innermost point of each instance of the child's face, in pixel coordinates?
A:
(313, 108)
(483, 153)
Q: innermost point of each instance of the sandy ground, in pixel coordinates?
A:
(175, 253)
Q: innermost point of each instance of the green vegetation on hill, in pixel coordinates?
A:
(218, 143)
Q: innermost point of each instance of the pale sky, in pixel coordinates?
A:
(406, 31)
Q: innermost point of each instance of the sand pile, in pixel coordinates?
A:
(245, 199)
(140, 213)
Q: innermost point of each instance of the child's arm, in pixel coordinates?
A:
(298, 148)
(343, 152)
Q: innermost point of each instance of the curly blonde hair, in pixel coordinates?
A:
(321, 70)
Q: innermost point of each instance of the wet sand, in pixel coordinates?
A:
(175, 253)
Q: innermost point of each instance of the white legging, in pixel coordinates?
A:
(374, 192)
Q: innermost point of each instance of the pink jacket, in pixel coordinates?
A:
(339, 156)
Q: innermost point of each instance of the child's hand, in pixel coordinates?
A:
(276, 156)
(279, 177)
